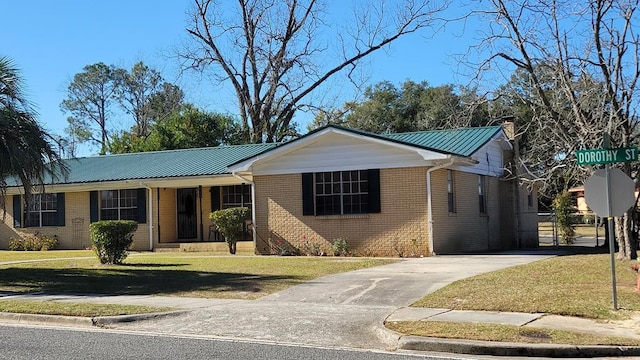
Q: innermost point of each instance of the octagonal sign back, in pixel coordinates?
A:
(622, 192)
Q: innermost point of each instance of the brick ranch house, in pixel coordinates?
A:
(414, 193)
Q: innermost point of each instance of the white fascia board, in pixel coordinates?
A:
(501, 138)
(284, 149)
(195, 181)
(431, 155)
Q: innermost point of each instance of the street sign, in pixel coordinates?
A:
(606, 156)
(596, 193)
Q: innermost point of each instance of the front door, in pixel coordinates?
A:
(187, 219)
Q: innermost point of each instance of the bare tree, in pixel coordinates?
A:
(582, 66)
(89, 96)
(275, 53)
(144, 95)
(133, 91)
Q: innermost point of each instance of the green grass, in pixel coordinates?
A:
(173, 274)
(75, 309)
(576, 285)
(6, 256)
(506, 333)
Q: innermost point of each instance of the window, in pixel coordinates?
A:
(341, 192)
(119, 204)
(42, 210)
(451, 200)
(481, 198)
(236, 196)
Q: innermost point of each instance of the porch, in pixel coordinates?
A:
(242, 247)
(182, 217)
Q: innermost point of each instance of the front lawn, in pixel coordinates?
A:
(576, 285)
(171, 274)
(74, 309)
(505, 333)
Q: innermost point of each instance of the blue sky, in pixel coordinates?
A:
(51, 41)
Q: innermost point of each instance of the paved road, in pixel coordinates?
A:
(28, 343)
(337, 310)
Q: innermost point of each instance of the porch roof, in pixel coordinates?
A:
(166, 164)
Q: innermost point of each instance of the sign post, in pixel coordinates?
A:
(601, 183)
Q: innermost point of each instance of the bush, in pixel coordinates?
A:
(230, 222)
(340, 247)
(33, 243)
(312, 247)
(111, 239)
(563, 207)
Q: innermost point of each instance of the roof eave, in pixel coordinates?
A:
(245, 166)
(189, 181)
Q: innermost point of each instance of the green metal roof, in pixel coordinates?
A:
(156, 164)
(460, 142)
(463, 142)
(215, 160)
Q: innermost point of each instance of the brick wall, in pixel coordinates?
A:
(400, 228)
(75, 233)
(467, 229)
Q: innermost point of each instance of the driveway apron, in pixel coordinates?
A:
(337, 310)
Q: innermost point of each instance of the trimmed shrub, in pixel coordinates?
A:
(563, 207)
(33, 243)
(230, 222)
(111, 239)
(340, 247)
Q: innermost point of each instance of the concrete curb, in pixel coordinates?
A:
(389, 337)
(494, 348)
(46, 319)
(99, 321)
(105, 321)
(474, 347)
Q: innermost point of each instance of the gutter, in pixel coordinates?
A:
(450, 162)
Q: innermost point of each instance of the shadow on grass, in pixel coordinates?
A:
(150, 265)
(562, 250)
(127, 281)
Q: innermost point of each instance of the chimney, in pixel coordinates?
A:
(509, 127)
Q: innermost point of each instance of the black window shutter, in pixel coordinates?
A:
(308, 207)
(215, 198)
(142, 206)
(93, 206)
(17, 211)
(374, 190)
(60, 209)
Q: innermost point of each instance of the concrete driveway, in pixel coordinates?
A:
(399, 284)
(337, 310)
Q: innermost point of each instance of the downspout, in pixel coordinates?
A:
(158, 202)
(150, 197)
(516, 186)
(429, 200)
(253, 207)
(201, 224)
